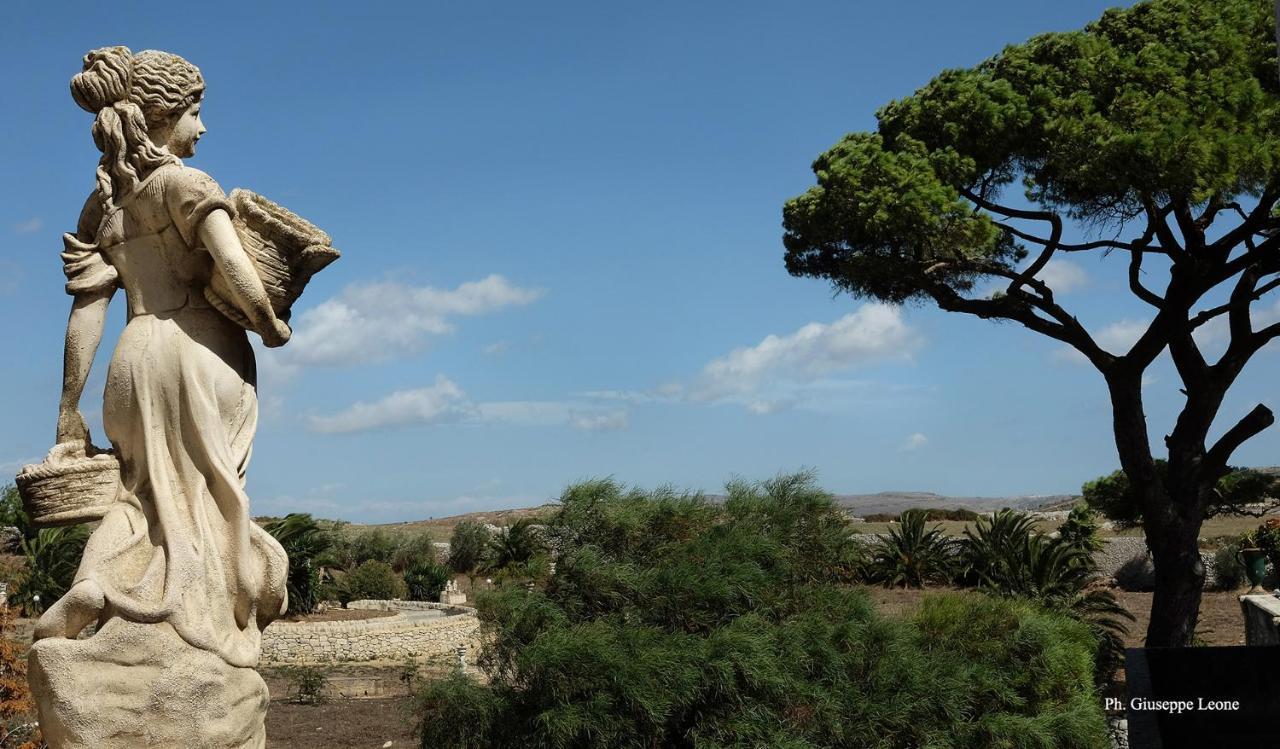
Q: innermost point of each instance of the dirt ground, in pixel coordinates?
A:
(1221, 621)
(339, 615)
(341, 724)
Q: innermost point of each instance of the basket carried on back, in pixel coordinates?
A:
(69, 490)
(287, 250)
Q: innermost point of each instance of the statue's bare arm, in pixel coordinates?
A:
(219, 237)
(84, 333)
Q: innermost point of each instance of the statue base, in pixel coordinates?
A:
(136, 685)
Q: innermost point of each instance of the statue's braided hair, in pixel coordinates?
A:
(130, 94)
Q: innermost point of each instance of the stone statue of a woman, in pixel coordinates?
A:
(177, 577)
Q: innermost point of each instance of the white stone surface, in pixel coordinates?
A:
(178, 576)
(1261, 619)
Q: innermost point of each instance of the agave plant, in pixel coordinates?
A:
(911, 555)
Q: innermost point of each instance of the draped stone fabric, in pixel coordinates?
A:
(180, 408)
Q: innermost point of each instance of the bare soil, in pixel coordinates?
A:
(1221, 621)
(339, 615)
(341, 724)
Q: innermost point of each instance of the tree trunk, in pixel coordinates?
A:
(1173, 537)
(1171, 515)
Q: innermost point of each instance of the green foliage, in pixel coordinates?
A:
(515, 545)
(52, 558)
(372, 580)
(11, 513)
(1080, 530)
(1114, 497)
(308, 684)
(1004, 556)
(309, 546)
(425, 579)
(932, 514)
(671, 621)
(414, 549)
(467, 546)
(992, 548)
(355, 547)
(1227, 570)
(1267, 537)
(1166, 98)
(911, 555)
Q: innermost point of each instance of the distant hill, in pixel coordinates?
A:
(891, 502)
(896, 502)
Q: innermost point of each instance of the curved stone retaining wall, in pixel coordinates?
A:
(417, 630)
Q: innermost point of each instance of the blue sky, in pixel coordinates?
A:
(562, 256)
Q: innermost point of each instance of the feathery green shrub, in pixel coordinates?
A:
(673, 622)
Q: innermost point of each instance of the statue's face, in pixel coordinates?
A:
(187, 129)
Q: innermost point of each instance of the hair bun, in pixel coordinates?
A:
(105, 80)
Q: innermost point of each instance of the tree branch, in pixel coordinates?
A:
(1135, 281)
(1253, 423)
(1192, 234)
(1253, 222)
(1019, 306)
(1156, 223)
(1098, 244)
(1205, 316)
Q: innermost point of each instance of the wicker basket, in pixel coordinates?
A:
(287, 250)
(69, 491)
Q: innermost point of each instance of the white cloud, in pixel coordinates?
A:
(600, 422)
(1116, 338)
(497, 347)
(377, 321)
(874, 333)
(30, 226)
(1217, 332)
(442, 402)
(445, 402)
(914, 442)
(668, 393)
(1063, 276)
(763, 407)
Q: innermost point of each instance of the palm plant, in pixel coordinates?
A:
(1058, 575)
(52, 557)
(992, 546)
(425, 578)
(307, 545)
(911, 555)
(517, 545)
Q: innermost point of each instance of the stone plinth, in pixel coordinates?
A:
(140, 685)
(1261, 619)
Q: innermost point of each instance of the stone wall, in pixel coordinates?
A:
(418, 629)
(1126, 559)
(449, 609)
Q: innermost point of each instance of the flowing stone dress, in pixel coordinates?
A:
(180, 409)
